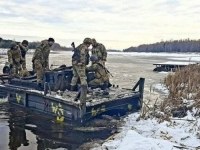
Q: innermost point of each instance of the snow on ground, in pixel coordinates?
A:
(179, 133)
(131, 140)
(163, 72)
(161, 88)
(150, 135)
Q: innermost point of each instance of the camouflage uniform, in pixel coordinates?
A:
(23, 49)
(101, 76)
(79, 71)
(100, 51)
(41, 59)
(14, 58)
(24, 73)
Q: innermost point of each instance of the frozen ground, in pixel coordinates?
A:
(127, 68)
(150, 135)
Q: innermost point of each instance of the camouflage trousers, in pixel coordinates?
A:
(79, 72)
(16, 68)
(23, 63)
(24, 73)
(96, 82)
(99, 81)
(39, 70)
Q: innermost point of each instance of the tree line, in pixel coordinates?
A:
(185, 45)
(32, 45)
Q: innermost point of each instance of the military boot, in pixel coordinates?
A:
(73, 88)
(104, 86)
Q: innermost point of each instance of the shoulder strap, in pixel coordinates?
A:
(106, 70)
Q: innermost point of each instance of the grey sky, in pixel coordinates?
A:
(117, 24)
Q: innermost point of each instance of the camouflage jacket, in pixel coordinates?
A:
(14, 56)
(100, 72)
(83, 54)
(23, 50)
(41, 53)
(100, 51)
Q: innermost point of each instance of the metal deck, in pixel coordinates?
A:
(63, 108)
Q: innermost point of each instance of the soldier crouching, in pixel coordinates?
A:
(14, 58)
(101, 75)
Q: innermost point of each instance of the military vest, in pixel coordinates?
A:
(16, 55)
(97, 51)
(43, 49)
(76, 56)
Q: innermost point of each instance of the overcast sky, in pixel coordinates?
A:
(118, 24)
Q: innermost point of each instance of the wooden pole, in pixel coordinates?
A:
(141, 88)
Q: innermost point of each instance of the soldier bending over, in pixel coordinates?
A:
(41, 59)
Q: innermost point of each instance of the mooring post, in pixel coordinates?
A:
(83, 96)
(141, 88)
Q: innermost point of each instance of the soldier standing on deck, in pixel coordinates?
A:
(99, 50)
(24, 48)
(14, 58)
(41, 59)
(79, 62)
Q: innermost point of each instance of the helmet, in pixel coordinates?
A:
(25, 42)
(13, 44)
(93, 58)
(51, 39)
(87, 40)
(94, 40)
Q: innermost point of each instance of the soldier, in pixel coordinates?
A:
(24, 48)
(79, 62)
(99, 50)
(101, 75)
(41, 59)
(14, 58)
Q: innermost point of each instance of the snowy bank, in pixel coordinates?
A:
(154, 132)
(150, 135)
(159, 87)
